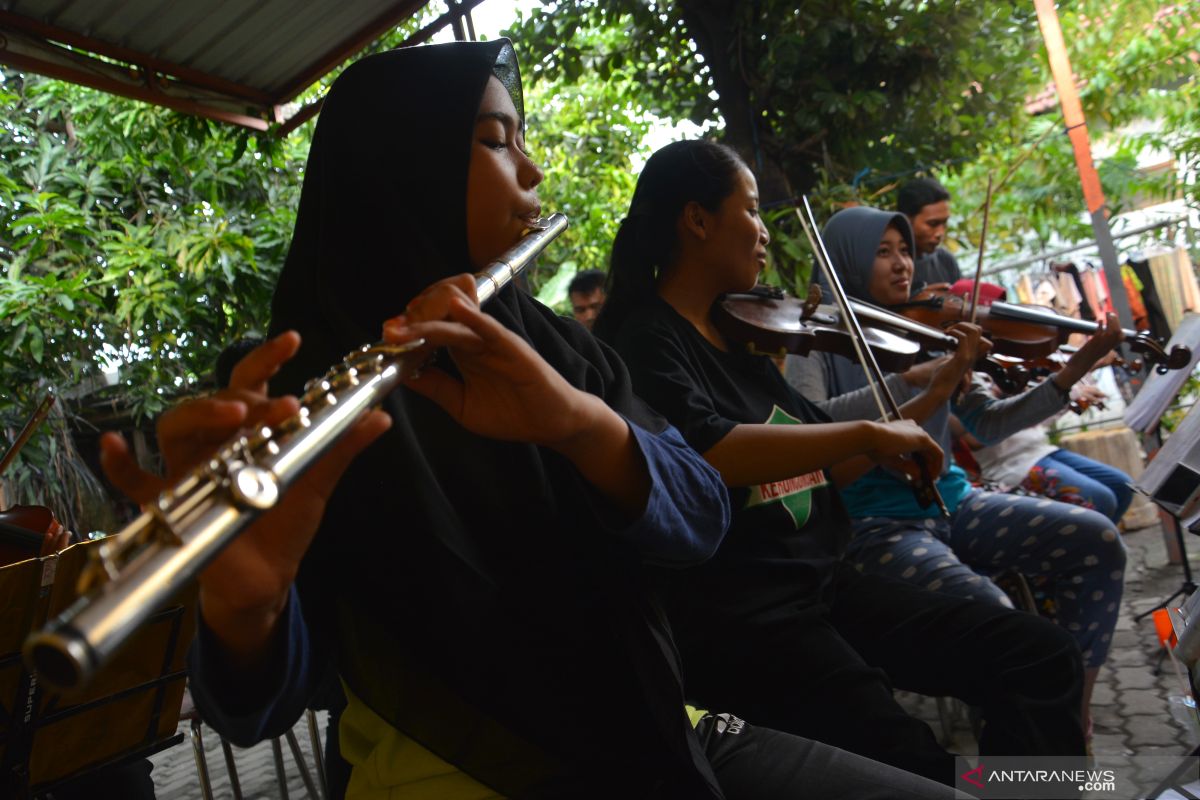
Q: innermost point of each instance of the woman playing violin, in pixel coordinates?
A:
(1078, 549)
(776, 622)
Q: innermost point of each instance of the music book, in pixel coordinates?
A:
(129, 711)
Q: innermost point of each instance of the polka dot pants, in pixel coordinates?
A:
(1078, 549)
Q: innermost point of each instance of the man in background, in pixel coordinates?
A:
(586, 292)
(926, 203)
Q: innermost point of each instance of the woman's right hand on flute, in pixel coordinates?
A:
(244, 590)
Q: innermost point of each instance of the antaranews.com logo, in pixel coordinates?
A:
(1106, 777)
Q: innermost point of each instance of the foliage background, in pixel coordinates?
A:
(130, 235)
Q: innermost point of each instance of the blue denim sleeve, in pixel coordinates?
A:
(687, 513)
(244, 713)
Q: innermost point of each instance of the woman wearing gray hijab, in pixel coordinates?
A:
(1079, 550)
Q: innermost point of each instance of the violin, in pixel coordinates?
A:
(1046, 367)
(769, 322)
(1030, 332)
(1052, 363)
(29, 531)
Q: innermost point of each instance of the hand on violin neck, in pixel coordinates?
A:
(953, 372)
(1108, 336)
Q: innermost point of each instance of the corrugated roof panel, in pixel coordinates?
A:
(282, 57)
(184, 46)
(263, 44)
(233, 60)
(283, 45)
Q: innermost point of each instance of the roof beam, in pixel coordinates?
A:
(130, 81)
(34, 29)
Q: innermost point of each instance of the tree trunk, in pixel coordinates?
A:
(713, 25)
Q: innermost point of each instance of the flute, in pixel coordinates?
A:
(135, 571)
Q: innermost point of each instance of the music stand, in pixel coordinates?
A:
(130, 710)
(1185, 622)
(1188, 587)
(1172, 481)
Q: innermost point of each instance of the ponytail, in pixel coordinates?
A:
(645, 244)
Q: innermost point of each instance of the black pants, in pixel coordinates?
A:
(753, 763)
(827, 672)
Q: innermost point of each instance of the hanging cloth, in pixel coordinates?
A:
(1187, 279)
(1155, 313)
(1133, 291)
(1044, 293)
(1068, 301)
(1103, 293)
(1091, 294)
(1023, 289)
(1170, 288)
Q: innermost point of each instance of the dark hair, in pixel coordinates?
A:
(918, 193)
(680, 173)
(587, 282)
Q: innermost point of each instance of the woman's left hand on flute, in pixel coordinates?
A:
(245, 589)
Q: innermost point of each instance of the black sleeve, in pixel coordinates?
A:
(665, 378)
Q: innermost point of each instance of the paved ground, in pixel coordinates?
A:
(1130, 706)
(1131, 710)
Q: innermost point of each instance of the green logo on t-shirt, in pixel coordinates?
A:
(795, 494)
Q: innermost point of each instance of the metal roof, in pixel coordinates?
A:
(239, 61)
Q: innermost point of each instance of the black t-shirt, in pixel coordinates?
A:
(940, 266)
(785, 536)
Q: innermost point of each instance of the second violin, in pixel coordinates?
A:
(1030, 332)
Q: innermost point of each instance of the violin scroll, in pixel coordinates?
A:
(1179, 357)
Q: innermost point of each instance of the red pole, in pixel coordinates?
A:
(1076, 128)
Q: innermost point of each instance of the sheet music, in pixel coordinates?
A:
(1159, 391)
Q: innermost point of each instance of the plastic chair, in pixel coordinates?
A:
(316, 790)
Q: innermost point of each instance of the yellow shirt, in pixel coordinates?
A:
(387, 765)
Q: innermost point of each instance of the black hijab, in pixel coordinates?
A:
(469, 589)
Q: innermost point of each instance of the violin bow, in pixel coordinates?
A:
(987, 207)
(35, 420)
(889, 409)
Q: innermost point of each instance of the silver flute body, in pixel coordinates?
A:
(138, 569)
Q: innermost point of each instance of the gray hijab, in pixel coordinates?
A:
(852, 237)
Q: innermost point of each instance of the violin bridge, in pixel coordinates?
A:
(811, 303)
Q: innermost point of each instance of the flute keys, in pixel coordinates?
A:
(254, 486)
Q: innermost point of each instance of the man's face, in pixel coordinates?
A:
(929, 226)
(587, 306)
